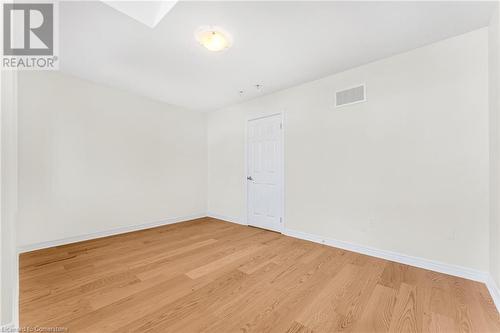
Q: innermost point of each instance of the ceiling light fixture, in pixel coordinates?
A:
(213, 38)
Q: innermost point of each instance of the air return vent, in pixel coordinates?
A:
(350, 96)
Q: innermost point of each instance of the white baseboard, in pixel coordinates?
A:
(225, 218)
(464, 272)
(494, 291)
(111, 232)
(436, 266)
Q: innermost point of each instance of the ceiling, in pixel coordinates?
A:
(276, 44)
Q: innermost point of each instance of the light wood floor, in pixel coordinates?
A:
(213, 276)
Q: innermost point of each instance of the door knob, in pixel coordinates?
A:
(249, 178)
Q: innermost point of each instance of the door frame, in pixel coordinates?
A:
(282, 166)
(9, 192)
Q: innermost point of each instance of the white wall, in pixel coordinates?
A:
(94, 158)
(406, 172)
(494, 100)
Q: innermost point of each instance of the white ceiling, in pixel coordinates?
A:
(276, 44)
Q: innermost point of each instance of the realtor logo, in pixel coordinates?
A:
(28, 36)
(36, 36)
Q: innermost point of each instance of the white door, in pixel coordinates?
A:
(265, 167)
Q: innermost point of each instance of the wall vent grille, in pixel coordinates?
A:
(350, 96)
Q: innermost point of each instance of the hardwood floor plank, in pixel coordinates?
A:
(114, 315)
(208, 275)
(259, 310)
(352, 304)
(377, 314)
(320, 315)
(298, 328)
(210, 267)
(406, 316)
(440, 324)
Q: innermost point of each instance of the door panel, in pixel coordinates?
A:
(264, 148)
